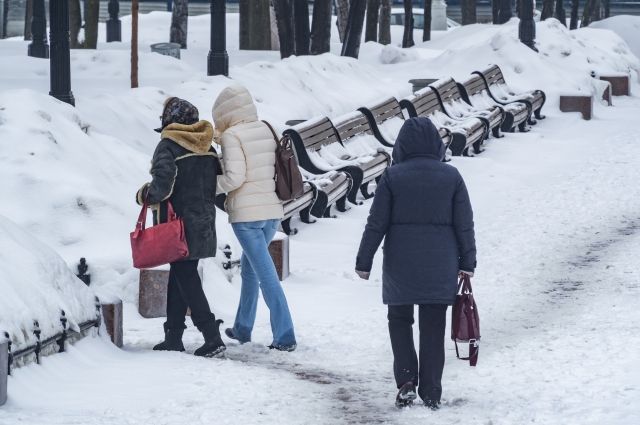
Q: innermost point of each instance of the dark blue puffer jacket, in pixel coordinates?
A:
(423, 212)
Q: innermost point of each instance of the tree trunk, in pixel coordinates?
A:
(373, 15)
(574, 14)
(355, 24)
(301, 27)
(596, 11)
(607, 8)
(91, 16)
(28, 16)
(407, 37)
(468, 12)
(426, 33)
(342, 12)
(255, 25)
(505, 12)
(547, 9)
(284, 20)
(586, 13)
(384, 30)
(179, 23)
(495, 11)
(134, 44)
(561, 15)
(75, 23)
(321, 27)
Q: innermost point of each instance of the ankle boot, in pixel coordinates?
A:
(172, 340)
(213, 345)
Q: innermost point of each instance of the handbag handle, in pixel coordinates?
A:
(464, 285)
(142, 218)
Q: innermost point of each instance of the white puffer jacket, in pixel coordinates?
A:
(248, 158)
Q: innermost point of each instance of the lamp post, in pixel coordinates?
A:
(60, 61)
(527, 27)
(38, 48)
(114, 28)
(218, 59)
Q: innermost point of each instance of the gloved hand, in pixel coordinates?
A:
(363, 275)
(142, 193)
(461, 273)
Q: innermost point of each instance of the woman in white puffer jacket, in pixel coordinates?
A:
(248, 158)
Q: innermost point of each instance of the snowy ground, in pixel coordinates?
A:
(558, 231)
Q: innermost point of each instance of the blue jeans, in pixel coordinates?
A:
(258, 271)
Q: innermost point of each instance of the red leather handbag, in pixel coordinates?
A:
(161, 244)
(465, 321)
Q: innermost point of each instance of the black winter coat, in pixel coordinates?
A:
(187, 179)
(422, 210)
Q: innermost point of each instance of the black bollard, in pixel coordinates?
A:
(114, 27)
(60, 61)
(527, 27)
(218, 59)
(38, 48)
(82, 272)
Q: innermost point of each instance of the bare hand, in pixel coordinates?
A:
(363, 275)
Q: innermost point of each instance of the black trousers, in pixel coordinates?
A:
(185, 291)
(427, 372)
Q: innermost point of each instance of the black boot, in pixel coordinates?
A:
(406, 395)
(213, 345)
(432, 404)
(172, 340)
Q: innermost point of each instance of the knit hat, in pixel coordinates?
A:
(178, 111)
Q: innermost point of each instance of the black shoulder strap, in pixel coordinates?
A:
(275, 136)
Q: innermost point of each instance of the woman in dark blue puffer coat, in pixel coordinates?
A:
(423, 213)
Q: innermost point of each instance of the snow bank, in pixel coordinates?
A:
(36, 284)
(626, 26)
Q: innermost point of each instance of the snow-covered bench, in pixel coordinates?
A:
(455, 107)
(503, 94)
(320, 151)
(475, 92)
(464, 134)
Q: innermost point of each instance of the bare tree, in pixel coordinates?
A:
(321, 27)
(384, 31)
(179, 23)
(134, 44)
(301, 27)
(28, 16)
(255, 25)
(373, 15)
(547, 9)
(407, 37)
(505, 12)
(342, 12)
(560, 14)
(75, 23)
(426, 33)
(91, 16)
(607, 8)
(495, 11)
(284, 20)
(355, 24)
(468, 12)
(574, 14)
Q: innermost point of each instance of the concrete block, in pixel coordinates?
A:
(619, 84)
(577, 103)
(279, 250)
(112, 317)
(152, 298)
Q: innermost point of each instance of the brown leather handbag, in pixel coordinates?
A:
(465, 321)
(289, 184)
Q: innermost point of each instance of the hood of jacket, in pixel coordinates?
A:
(233, 106)
(196, 137)
(418, 137)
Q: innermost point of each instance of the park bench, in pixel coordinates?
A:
(464, 133)
(475, 92)
(455, 107)
(386, 119)
(320, 150)
(503, 94)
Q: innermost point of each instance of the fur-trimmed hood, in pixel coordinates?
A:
(233, 106)
(196, 137)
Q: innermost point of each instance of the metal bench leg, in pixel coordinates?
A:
(476, 148)
(320, 205)
(327, 213)
(341, 204)
(538, 114)
(523, 127)
(286, 227)
(458, 144)
(305, 215)
(364, 189)
(496, 132)
(507, 125)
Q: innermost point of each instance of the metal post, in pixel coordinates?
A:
(38, 48)
(4, 370)
(218, 59)
(527, 27)
(114, 27)
(60, 56)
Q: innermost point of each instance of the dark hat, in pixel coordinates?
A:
(178, 111)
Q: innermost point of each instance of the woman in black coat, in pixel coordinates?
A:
(184, 169)
(423, 212)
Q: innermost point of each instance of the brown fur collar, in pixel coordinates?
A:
(195, 137)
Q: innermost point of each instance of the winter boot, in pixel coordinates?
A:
(432, 404)
(213, 345)
(172, 340)
(406, 395)
(287, 348)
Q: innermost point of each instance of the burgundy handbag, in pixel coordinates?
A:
(161, 244)
(465, 322)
